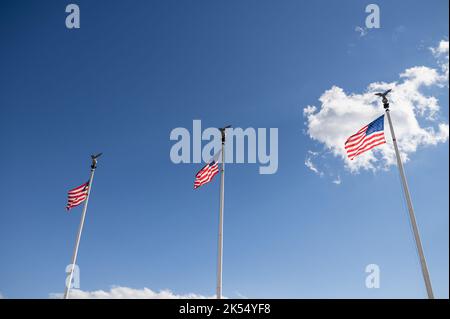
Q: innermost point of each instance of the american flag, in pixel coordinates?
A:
(206, 174)
(366, 138)
(77, 195)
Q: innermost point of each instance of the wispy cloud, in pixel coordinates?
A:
(337, 181)
(240, 295)
(118, 292)
(441, 54)
(309, 163)
(341, 114)
(361, 30)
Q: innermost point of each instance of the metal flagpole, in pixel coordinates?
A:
(423, 263)
(80, 228)
(220, 241)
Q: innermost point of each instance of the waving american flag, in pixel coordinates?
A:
(366, 138)
(77, 195)
(206, 174)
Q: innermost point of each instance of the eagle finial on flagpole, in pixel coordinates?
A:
(384, 98)
(222, 131)
(94, 160)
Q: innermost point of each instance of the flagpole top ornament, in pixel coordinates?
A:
(384, 98)
(222, 131)
(94, 160)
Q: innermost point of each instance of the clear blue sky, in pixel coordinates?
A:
(137, 69)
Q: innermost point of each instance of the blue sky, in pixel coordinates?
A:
(136, 70)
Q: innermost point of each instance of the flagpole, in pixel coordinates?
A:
(423, 263)
(80, 228)
(220, 241)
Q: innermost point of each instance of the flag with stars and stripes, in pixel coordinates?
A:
(77, 195)
(366, 138)
(206, 174)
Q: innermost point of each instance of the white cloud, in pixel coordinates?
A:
(441, 54)
(1, 296)
(341, 114)
(441, 49)
(313, 153)
(337, 181)
(309, 110)
(118, 292)
(309, 163)
(362, 31)
(240, 295)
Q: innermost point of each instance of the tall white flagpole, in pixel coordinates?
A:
(80, 228)
(423, 263)
(220, 241)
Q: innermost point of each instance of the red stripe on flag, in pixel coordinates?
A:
(367, 139)
(77, 195)
(359, 142)
(206, 174)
